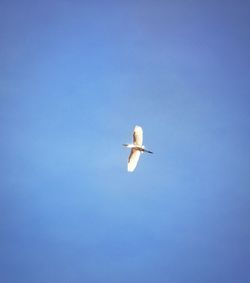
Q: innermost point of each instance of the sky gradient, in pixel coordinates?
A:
(75, 78)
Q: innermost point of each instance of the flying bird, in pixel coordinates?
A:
(136, 148)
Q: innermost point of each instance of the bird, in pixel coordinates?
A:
(136, 148)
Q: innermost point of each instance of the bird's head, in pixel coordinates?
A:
(128, 145)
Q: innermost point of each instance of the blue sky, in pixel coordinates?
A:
(75, 78)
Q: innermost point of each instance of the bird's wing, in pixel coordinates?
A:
(138, 136)
(133, 159)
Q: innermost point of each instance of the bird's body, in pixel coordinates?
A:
(136, 148)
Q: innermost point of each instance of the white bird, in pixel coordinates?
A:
(136, 148)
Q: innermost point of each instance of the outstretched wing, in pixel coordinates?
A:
(138, 136)
(133, 159)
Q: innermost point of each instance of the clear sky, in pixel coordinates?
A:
(75, 78)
